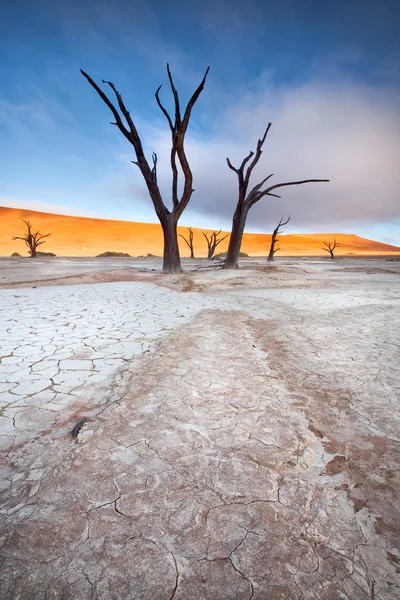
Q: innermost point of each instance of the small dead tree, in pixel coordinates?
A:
(330, 247)
(275, 239)
(189, 241)
(32, 240)
(178, 126)
(247, 198)
(213, 241)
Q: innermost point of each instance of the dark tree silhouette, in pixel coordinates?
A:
(189, 241)
(213, 241)
(275, 239)
(330, 247)
(178, 126)
(247, 198)
(32, 240)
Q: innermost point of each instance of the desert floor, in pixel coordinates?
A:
(242, 430)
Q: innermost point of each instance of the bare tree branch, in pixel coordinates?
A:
(164, 110)
(178, 127)
(176, 100)
(257, 187)
(193, 101)
(330, 247)
(284, 222)
(213, 241)
(118, 120)
(154, 169)
(274, 238)
(208, 242)
(178, 142)
(253, 198)
(32, 240)
(257, 156)
(178, 130)
(133, 137)
(247, 199)
(189, 241)
(231, 166)
(242, 166)
(174, 168)
(267, 192)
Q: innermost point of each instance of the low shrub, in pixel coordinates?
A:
(223, 255)
(109, 253)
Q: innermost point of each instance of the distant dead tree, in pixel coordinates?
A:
(32, 240)
(178, 126)
(247, 198)
(275, 239)
(213, 241)
(330, 247)
(189, 241)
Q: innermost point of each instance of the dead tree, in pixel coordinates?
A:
(189, 241)
(330, 247)
(32, 240)
(178, 126)
(275, 239)
(247, 198)
(213, 242)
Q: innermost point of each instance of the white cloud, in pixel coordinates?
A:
(39, 206)
(346, 132)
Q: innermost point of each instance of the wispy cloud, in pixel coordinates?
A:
(58, 145)
(38, 205)
(345, 132)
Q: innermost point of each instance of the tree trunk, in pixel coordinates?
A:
(235, 242)
(191, 252)
(272, 248)
(172, 260)
(33, 251)
(332, 256)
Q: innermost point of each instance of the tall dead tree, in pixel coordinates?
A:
(213, 241)
(275, 239)
(178, 126)
(330, 247)
(247, 198)
(189, 241)
(32, 240)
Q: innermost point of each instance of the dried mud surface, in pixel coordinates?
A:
(241, 436)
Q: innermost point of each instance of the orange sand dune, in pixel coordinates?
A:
(82, 236)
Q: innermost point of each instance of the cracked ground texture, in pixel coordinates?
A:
(242, 439)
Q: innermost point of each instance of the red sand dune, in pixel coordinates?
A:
(82, 236)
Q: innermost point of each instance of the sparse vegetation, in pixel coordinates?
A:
(224, 254)
(45, 254)
(15, 254)
(32, 240)
(109, 253)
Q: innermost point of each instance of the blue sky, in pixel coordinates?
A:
(326, 73)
